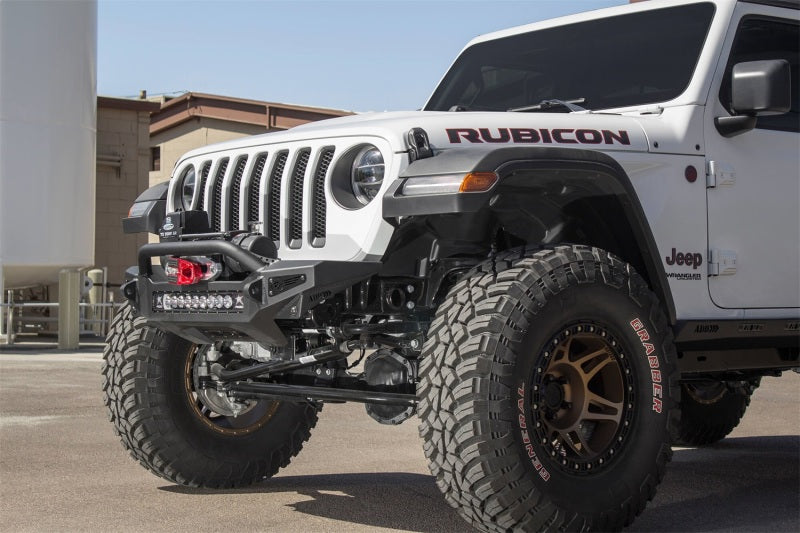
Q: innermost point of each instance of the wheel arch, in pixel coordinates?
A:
(564, 195)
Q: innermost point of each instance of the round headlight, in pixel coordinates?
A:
(187, 187)
(367, 174)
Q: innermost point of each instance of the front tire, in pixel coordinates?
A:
(181, 433)
(548, 392)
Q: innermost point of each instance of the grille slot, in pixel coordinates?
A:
(236, 188)
(216, 207)
(295, 233)
(254, 198)
(274, 196)
(203, 180)
(318, 208)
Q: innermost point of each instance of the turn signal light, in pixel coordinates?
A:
(478, 182)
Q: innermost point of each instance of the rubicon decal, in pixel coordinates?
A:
(537, 136)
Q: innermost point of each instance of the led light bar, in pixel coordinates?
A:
(208, 302)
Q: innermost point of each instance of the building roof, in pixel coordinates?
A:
(127, 104)
(271, 115)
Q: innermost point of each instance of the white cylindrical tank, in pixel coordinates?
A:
(48, 94)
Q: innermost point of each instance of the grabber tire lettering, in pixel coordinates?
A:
(537, 392)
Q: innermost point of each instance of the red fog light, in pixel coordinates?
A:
(188, 273)
(183, 272)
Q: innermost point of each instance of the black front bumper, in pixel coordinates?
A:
(272, 290)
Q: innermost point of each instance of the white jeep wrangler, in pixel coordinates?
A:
(582, 250)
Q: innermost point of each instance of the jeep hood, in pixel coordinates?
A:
(447, 130)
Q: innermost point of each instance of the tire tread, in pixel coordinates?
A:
(132, 385)
(468, 441)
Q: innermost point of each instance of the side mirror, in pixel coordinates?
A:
(758, 88)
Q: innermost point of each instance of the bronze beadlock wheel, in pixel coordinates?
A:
(706, 392)
(581, 397)
(216, 410)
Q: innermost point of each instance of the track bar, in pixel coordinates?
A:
(280, 390)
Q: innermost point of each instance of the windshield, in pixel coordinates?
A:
(620, 61)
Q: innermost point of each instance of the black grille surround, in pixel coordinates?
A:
(295, 230)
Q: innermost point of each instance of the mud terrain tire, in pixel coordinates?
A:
(502, 368)
(160, 422)
(711, 410)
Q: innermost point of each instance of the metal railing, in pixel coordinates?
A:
(91, 314)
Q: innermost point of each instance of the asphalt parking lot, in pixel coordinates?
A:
(62, 469)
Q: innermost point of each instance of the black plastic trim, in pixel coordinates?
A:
(693, 335)
(153, 216)
(156, 192)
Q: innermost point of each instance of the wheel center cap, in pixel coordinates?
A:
(553, 395)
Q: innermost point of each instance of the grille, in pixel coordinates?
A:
(216, 206)
(318, 200)
(236, 188)
(296, 199)
(269, 188)
(254, 198)
(274, 205)
(203, 179)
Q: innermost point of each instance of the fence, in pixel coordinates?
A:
(91, 314)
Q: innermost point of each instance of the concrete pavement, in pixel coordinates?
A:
(62, 469)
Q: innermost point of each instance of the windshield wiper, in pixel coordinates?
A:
(554, 103)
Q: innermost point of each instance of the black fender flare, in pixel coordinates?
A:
(148, 211)
(609, 175)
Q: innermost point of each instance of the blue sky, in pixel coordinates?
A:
(355, 55)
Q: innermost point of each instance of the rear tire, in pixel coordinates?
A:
(548, 392)
(165, 425)
(711, 410)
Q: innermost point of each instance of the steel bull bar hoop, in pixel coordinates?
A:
(247, 260)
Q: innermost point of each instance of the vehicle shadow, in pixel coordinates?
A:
(739, 484)
(394, 500)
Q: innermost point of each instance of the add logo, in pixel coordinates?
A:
(691, 259)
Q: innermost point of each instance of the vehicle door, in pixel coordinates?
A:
(754, 177)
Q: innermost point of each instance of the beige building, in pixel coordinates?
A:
(193, 120)
(123, 161)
